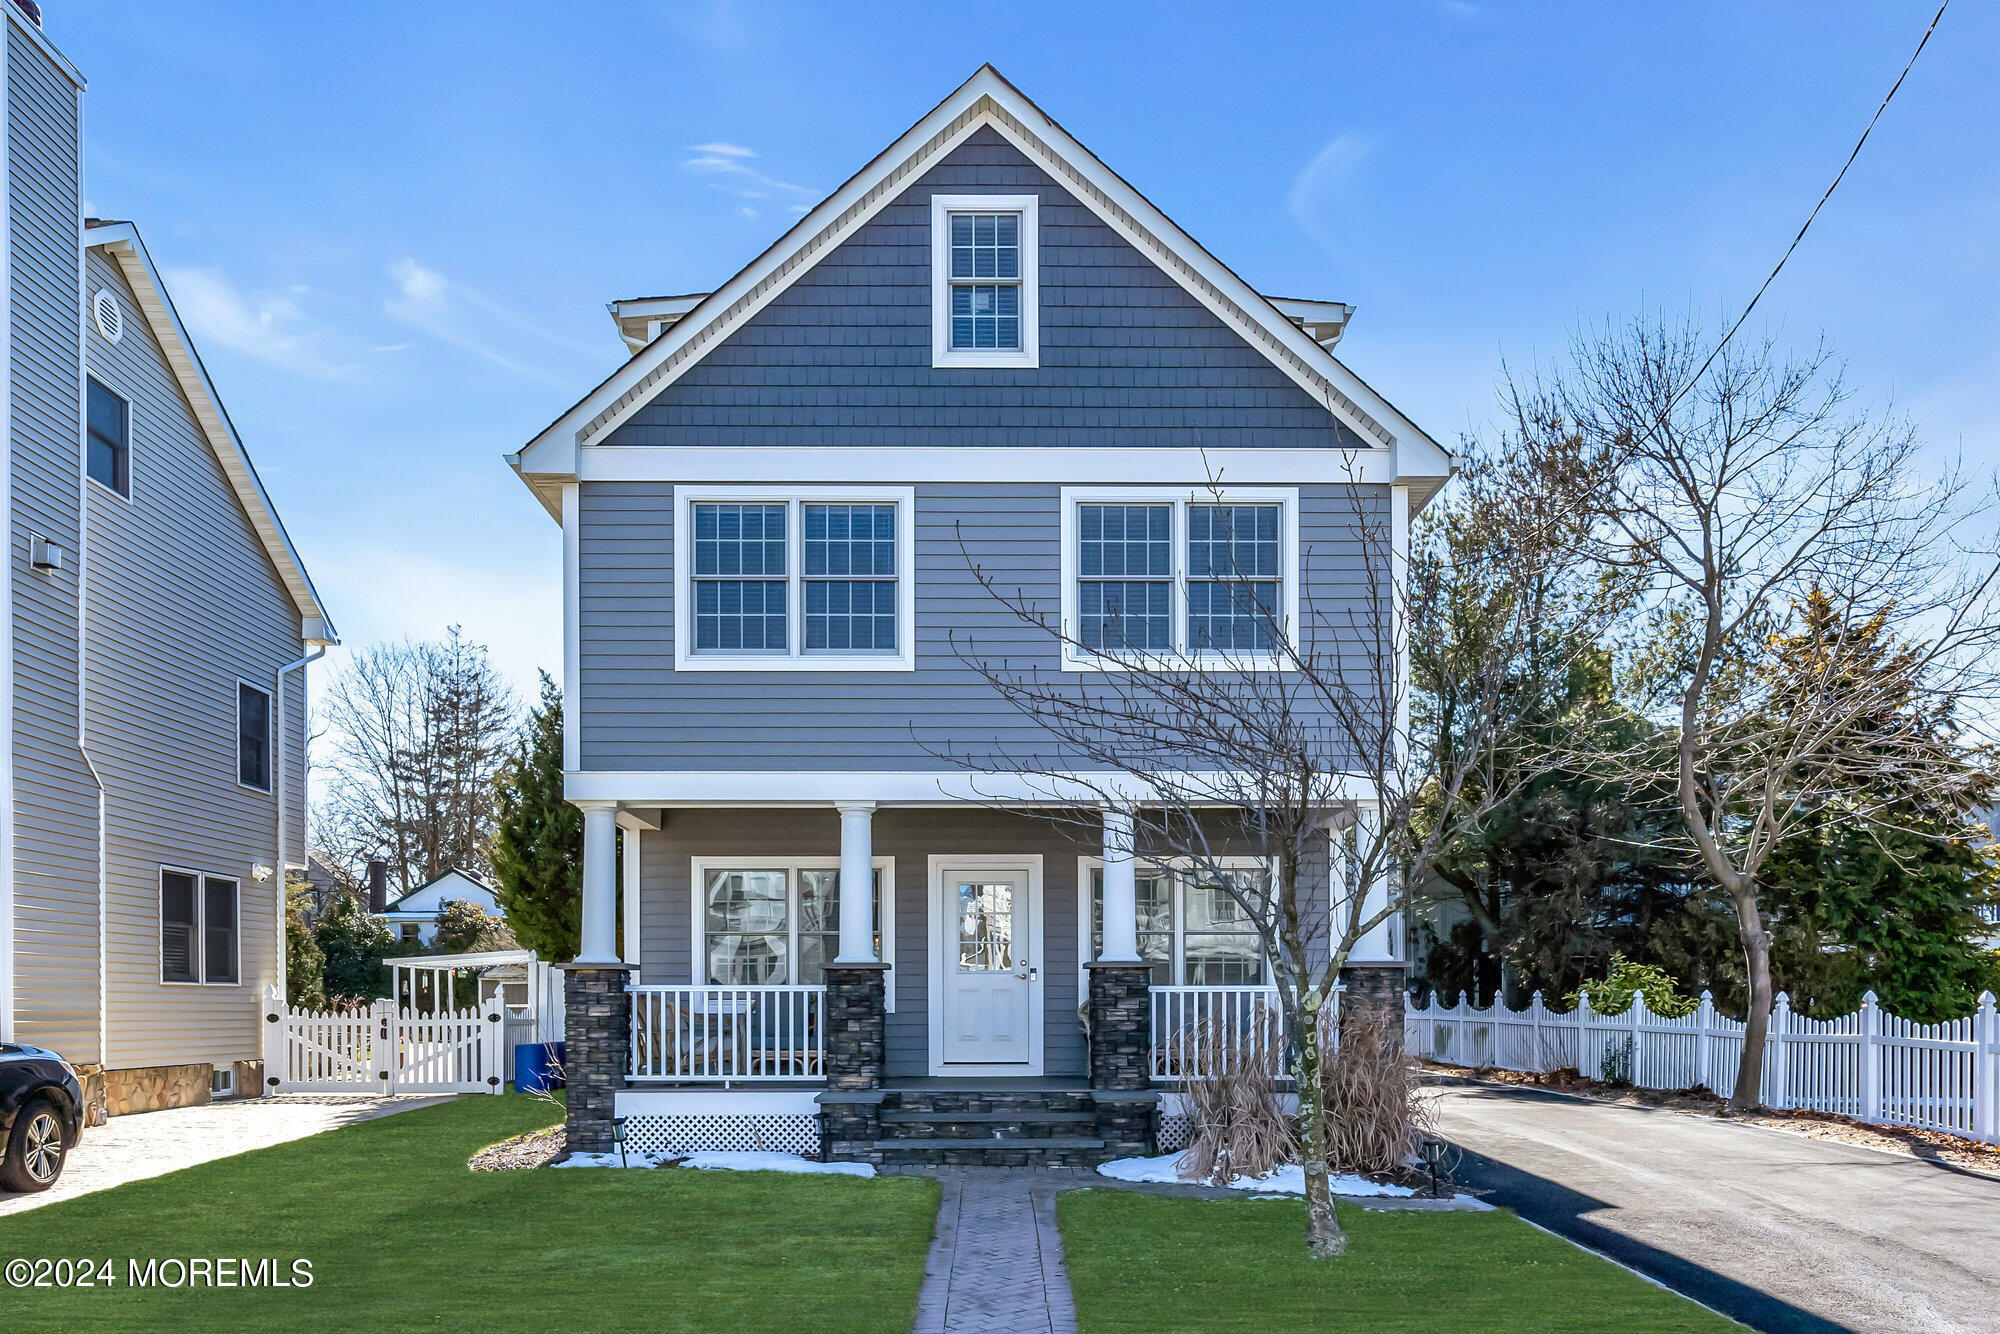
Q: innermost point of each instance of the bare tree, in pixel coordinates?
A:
(1287, 741)
(1780, 540)
(418, 731)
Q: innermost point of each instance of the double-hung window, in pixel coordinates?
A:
(802, 579)
(777, 922)
(108, 460)
(1192, 931)
(984, 289)
(1203, 578)
(198, 928)
(254, 732)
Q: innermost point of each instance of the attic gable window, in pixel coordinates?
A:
(983, 281)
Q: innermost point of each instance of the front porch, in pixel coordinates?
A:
(1007, 988)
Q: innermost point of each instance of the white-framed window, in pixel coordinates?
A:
(200, 928)
(108, 460)
(254, 733)
(1208, 577)
(985, 293)
(1191, 930)
(775, 921)
(795, 579)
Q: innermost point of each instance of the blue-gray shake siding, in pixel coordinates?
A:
(638, 713)
(843, 356)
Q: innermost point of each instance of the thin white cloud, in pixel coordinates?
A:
(458, 315)
(1321, 184)
(272, 328)
(725, 167)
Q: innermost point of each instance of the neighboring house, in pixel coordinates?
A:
(413, 917)
(153, 735)
(981, 350)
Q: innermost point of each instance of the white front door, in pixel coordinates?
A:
(989, 1002)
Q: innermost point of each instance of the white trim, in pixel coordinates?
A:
(200, 960)
(7, 970)
(572, 527)
(752, 788)
(986, 99)
(1081, 465)
(943, 355)
(1074, 659)
(795, 659)
(1399, 628)
(276, 731)
(632, 833)
(1087, 864)
(699, 867)
(943, 922)
(121, 242)
(710, 1102)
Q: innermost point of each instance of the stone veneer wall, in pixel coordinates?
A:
(1121, 1033)
(1374, 986)
(856, 1052)
(597, 1036)
(155, 1088)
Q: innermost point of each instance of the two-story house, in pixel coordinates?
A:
(985, 355)
(152, 715)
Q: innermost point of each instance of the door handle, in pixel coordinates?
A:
(1030, 975)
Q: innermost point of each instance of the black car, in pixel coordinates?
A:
(41, 1116)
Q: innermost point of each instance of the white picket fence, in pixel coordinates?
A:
(384, 1049)
(1870, 1065)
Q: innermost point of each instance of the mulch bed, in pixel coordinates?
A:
(537, 1148)
(1934, 1145)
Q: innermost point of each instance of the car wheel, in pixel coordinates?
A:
(35, 1150)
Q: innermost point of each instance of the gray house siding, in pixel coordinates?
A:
(843, 356)
(638, 713)
(182, 603)
(55, 804)
(912, 837)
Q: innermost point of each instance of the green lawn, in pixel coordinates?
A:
(1147, 1263)
(402, 1236)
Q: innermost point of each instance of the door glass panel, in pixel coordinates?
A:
(985, 926)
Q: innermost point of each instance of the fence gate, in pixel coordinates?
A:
(384, 1050)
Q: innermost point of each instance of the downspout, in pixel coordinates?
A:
(284, 796)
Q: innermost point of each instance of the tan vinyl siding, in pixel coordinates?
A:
(55, 871)
(183, 602)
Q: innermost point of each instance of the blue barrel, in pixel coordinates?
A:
(537, 1066)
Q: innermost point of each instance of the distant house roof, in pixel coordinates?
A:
(454, 873)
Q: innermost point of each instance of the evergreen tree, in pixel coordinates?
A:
(538, 853)
(305, 965)
(354, 945)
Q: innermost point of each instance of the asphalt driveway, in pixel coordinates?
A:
(1779, 1231)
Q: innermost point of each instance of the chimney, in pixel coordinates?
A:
(378, 885)
(31, 9)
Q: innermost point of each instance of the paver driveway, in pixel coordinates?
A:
(149, 1144)
(1779, 1231)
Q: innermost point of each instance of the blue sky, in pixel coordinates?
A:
(393, 227)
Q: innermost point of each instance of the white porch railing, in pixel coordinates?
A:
(1196, 1029)
(1869, 1065)
(716, 1034)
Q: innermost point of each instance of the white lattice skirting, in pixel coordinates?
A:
(1176, 1131)
(775, 1133)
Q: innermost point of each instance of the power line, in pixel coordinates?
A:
(1887, 98)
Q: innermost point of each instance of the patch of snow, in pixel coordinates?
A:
(718, 1162)
(773, 1162)
(1289, 1180)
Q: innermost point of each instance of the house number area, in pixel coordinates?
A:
(176, 1272)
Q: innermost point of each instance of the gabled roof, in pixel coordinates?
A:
(437, 880)
(120, 240)
(986, 99)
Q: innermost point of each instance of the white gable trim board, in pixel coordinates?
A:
(984, 100)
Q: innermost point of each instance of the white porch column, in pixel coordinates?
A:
(1378, 943)
(1121, 890)
(857, 879)
(600, 883)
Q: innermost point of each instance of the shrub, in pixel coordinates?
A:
(1376, 1110)
(1626, 978)
(1230, 1080)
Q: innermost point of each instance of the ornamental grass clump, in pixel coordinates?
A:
(1230, 1078)
(1376, 1110)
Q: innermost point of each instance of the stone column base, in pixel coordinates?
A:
(1121, 1026)
(1373, 986)
(1128, 1123)
(850, 1122)
(597, 1036)
(856, 1041)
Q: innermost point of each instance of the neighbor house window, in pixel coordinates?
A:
(253, 737)
(1191, 929)
(776, 923)
(199, 928)
(109, 457)
(797, 582)
(1207, 579)
(983, 280)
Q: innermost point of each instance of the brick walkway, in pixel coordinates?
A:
(996, 1262)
